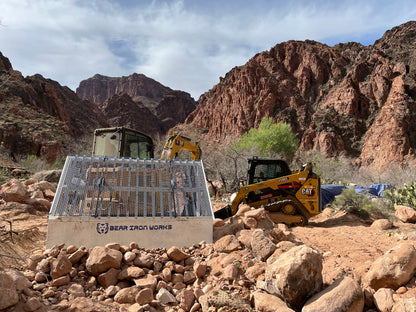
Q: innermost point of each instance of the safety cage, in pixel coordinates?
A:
(149, 191)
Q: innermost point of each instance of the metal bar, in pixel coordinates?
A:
(110, 204)
(101, 185)
(153, 171)
(55, 203)
(136, 202)
(71, 175)
(185, 188)
(204, 188)
(90, 187)
(175, 190)
(198, 201)
(145, 190)
(120, 187)
(160, 190)
(170, 180)
(129, 188)
(83, 198)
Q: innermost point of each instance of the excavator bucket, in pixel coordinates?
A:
(156, 203)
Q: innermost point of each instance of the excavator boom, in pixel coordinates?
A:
(177, 143)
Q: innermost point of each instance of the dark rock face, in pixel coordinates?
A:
(348, 99)
(123, 111)
(40, 117)
(5, 64)
(99, 88)
(137, 101)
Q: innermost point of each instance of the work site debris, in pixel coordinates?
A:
(245, 269)
(235, 281)
(255, 269)
(36, 194)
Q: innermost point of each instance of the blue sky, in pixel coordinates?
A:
(185, 44)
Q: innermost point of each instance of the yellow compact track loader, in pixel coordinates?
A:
(290, 197)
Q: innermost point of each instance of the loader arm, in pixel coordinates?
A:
(177, 143)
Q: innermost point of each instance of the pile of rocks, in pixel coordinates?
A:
(30, 194)
(254, 265)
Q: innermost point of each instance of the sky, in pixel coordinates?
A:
(184, 44)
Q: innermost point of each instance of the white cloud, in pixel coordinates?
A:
(185, 45)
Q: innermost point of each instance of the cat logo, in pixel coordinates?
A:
(102, 228)
(308, 191)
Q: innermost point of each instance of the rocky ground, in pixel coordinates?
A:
(338, 262)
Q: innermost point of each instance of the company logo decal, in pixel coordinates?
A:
(102, 228)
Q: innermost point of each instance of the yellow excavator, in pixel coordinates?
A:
(177, 143)
(124, 142)
(290, 197)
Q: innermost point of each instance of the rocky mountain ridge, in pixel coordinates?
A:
(39, 116)
(137, 101)
(349, 99)
(42, 118)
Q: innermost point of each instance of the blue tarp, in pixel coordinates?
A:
(329, 191)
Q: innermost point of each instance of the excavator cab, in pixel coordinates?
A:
(122, 142)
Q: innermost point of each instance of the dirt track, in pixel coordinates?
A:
(350, 245)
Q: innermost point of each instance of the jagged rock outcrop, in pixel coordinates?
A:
(137, 101)
(349, 99)
(40, 117)
(5, 64)
(123, 111)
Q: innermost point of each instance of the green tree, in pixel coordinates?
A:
(269, 140)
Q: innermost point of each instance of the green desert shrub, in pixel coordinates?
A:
(362, 205)
(332, 170)
(4, 175)
(269, 140)
(35, 164)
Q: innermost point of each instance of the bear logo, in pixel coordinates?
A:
(102, 228)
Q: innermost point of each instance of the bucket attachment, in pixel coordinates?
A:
(156, 203)
(223, 213)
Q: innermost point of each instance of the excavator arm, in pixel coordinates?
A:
(177, 143)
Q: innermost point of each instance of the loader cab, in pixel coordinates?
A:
(122, 142)
(262, 169)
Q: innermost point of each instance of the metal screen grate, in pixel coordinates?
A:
(118, 187)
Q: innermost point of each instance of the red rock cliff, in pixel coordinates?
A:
(348, 99)
(165, 107)
(40, 117)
